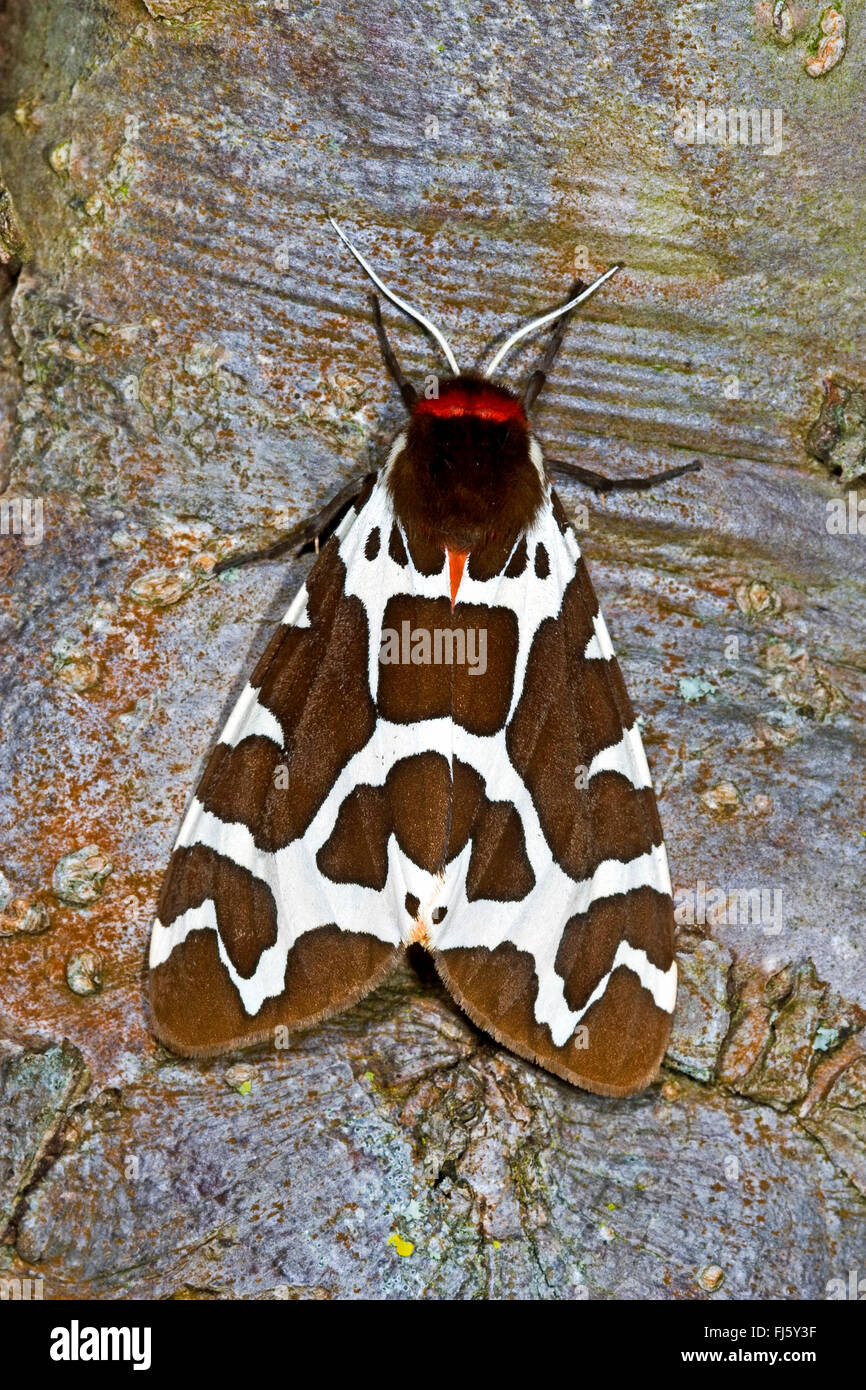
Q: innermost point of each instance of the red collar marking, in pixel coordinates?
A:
(484, 405)
(456, 565)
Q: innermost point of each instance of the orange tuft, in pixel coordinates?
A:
(456, 565)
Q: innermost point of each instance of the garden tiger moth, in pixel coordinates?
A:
(500, 813)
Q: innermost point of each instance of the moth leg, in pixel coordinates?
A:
(406, 389)
(599, 483)
(539, 376)
(307, 532)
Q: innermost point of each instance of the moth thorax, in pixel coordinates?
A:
(466, 477)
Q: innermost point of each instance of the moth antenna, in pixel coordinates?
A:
(401, 303)
(547, 318)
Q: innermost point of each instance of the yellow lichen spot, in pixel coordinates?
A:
(403, 1247)
(60, 156)
(497, 1245)
(241, 1078)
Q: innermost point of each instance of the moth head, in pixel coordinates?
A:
(471, 434)
(466, 474)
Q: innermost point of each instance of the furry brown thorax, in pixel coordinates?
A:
(465, 477)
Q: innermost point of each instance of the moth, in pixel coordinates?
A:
(380, 784)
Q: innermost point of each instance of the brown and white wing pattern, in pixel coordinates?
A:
(566, 955)
(321, 824)
(249, 933)
(498, 810)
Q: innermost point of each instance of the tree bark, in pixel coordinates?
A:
(188, 368)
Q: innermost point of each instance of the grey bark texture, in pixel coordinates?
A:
(188, 367)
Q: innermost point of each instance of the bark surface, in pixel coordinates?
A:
(188, 367)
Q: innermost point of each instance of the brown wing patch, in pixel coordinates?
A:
(240, 784)
(198, 1012)
(396, 548)
(569, 710)
(489, 559)
(419, 794)
(310, 672)
(644, 918)
(411, 690)
(245, 910)
(462, 641)
(609, 819)
(427, 556)
(542, 561)
(482, 701)
(625, 1033)
(517, 564)
(468, 798)
(356, 851)
(499, 867)
(624, 820)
